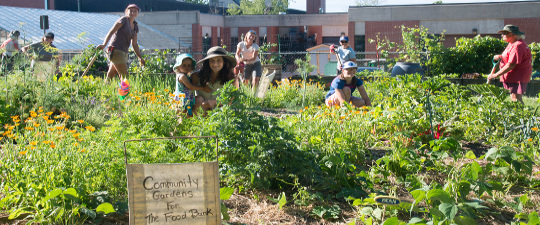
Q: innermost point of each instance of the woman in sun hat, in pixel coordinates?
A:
(516, 63)
(123, 33)
(217, 69)
(343, 86)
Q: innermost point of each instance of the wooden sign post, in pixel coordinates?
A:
(177, 193)
(265, 83)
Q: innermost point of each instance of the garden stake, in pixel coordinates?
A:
(495, 64)
(91, 63)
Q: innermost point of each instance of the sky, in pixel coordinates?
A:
(343, 5)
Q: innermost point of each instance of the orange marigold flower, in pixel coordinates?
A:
(75, 144)
(90, 128)
(530, 139)
(80, 139)
(33, 114)
(76, 135)
(23, 152)
(29, 128)
(534, 129)
(11, 127)
(82, 150)
(45, 117)
(73, 131)
(306, 107)
(80, 121)
(60, 128)
(49, 113)
(36, 124)
(33, 143)
(50, 121)
(53, 146)
(46, 142)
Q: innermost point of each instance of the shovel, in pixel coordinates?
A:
(495, 65)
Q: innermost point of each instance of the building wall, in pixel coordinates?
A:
(38, 4)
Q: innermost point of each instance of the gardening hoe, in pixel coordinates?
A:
(338, 59)
(495, 64)
(91, 63)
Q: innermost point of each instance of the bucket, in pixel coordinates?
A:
(402, 68)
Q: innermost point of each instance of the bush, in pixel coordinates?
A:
(471, 55)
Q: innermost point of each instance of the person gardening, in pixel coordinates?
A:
(515, 63)
(10, 47)
(344, 52)
(343, 86)
(45, 56)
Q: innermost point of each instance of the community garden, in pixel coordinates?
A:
(452, 154)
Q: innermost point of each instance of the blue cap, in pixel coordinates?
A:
(349, 64)
(344, 38)
(181, 58)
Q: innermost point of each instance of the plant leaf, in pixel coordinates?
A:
(438, 194)
(391, 221)
(449, 210)
(52, 194)
(105, 208)
(225, 193)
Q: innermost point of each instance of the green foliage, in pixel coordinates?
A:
(80, 62)
(258, 7)
(327, 212)
(470, 55)
(202, 2)
(535, 51)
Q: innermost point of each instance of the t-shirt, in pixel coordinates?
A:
(339, 83)
(10, 46)
(248, 52)
(215, 87)
(121, 40)
(43, 51)
(345, 54)
(520, 54)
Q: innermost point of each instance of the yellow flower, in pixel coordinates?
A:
(33, 143)
(75, 144)
(50, 121)
(80, 121)
(530, 139)
(534, 129)
(76, 135)
(73, 131)
(306, 107)
(46, 142)
(23, 152)
(82, 150)
(33, 114)
(49, 113)
(11, 127)
(45, 117)
(53, 146)
(29, 128)
(60, 128)
(36, 124)
(189, 107)
(80, 139)
(337, 107)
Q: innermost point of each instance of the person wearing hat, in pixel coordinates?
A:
(343, 86)
(45, 56)
(185, 64)
(123, 33)
(344, 52)
(515, 68)
(10, 47)
(216, 71)
(247, 53)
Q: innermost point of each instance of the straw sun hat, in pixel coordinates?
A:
(219, 51)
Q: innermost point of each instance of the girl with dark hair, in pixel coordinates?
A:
(216, 71)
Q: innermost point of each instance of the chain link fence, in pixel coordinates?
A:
(325, 62)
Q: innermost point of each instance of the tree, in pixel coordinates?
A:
(437, 2)
(258, 7)
(368, 2)
(202, 2)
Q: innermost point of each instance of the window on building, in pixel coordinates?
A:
(331, 40)
(234, 42)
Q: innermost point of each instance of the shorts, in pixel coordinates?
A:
(515, 88)
(118, 57)
(250, 68)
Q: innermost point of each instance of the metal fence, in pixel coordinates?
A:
(324, 62)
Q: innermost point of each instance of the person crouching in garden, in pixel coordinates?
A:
(45, 56)
(217, 69)
(185, 64)
(516, 63)
(344, 85)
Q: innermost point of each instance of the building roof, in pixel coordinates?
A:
(76, 30)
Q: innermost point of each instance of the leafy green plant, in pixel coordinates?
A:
(327, 212)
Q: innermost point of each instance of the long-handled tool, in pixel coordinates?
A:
(91, 63)
(337, 55)
(495, 65)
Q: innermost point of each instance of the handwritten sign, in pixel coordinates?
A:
(387, 200)
(186, 193)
